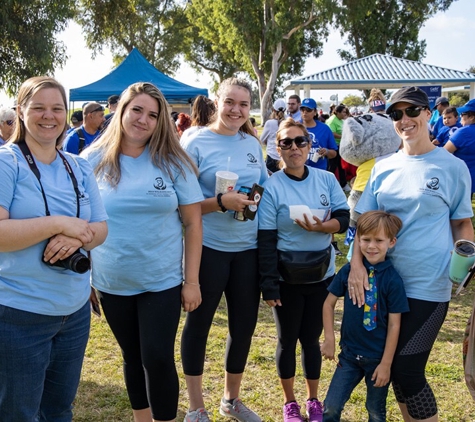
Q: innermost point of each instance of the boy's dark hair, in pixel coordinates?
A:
(451, 110)
(373, 221)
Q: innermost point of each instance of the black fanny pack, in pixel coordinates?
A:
(300, 267)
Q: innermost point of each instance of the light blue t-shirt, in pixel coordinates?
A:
(144, 248)
(26, 281)
(210, 152)
(425, 192)
(320, 190)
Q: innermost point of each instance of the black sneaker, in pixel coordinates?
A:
(337, 251)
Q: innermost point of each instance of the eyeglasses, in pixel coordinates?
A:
(286, 143)
(9, 122)
(306, 109)
(396, 115)
(100, 108)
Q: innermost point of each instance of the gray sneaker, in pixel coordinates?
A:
(198, 415)
(238, 411)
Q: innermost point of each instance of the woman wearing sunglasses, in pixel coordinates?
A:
(7, 124)
(462, 144)
(429, 190)
(296, 298)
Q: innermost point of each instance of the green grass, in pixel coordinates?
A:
(102, 395)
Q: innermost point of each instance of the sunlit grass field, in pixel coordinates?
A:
(102, 395)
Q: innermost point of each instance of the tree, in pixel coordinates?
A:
(353, 101)
(458, 99)
(27, 42)
(385, 26)
(152, 26)
(202, 55)
(268, 39)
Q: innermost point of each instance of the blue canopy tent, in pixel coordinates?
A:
(136, 68)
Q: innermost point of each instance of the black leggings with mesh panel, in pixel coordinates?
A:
(419, 329)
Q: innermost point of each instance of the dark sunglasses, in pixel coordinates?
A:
(308, 110)
(286, 143)
(100, 108)
(9, 122)
(396, 115)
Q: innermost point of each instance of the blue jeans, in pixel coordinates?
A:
(347, 376)
(40, 364)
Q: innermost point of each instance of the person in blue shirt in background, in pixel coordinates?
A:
(323, 146)
(89, 131)
(462, 142)
(369, 334)
(441, 103)
(451, 124)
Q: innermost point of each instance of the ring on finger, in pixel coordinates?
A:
(64, 249)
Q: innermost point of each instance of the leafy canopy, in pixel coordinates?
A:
(152, 26)
(385, 26)
(28, 46)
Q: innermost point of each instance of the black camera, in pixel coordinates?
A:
(77, 262)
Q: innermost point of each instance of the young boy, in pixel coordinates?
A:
(451, 124)
(369, 334)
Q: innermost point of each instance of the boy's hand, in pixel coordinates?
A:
(327, 348)
(381, 375)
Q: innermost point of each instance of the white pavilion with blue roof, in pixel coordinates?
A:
(384, 72)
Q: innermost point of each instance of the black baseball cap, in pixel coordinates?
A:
(76, 117)
(411, 95)
(113, 99)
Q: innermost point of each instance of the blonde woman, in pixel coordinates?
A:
(149, 188)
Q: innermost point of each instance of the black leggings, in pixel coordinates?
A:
(300, 318)
(419, 329)
(145, 327)
(235, 274)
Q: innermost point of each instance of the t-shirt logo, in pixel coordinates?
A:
(433, 183)
(324, 200)
(251, 158)
(159, 184)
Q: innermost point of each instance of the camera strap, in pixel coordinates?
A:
(33, 167)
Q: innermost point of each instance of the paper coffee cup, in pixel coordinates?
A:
(225, 181)
(463, 257)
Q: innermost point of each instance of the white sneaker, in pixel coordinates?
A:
(238, 411)
(198, 415)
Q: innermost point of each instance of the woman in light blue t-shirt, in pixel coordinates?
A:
(297, 302)
(229, 258)
(428, 189)
(50, 214)
(149, 188)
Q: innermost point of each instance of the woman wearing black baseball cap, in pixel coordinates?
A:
(429, 190)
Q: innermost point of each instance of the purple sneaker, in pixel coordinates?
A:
(314, 410)
(292, 412)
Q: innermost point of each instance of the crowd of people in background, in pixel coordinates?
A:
(70, 194)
